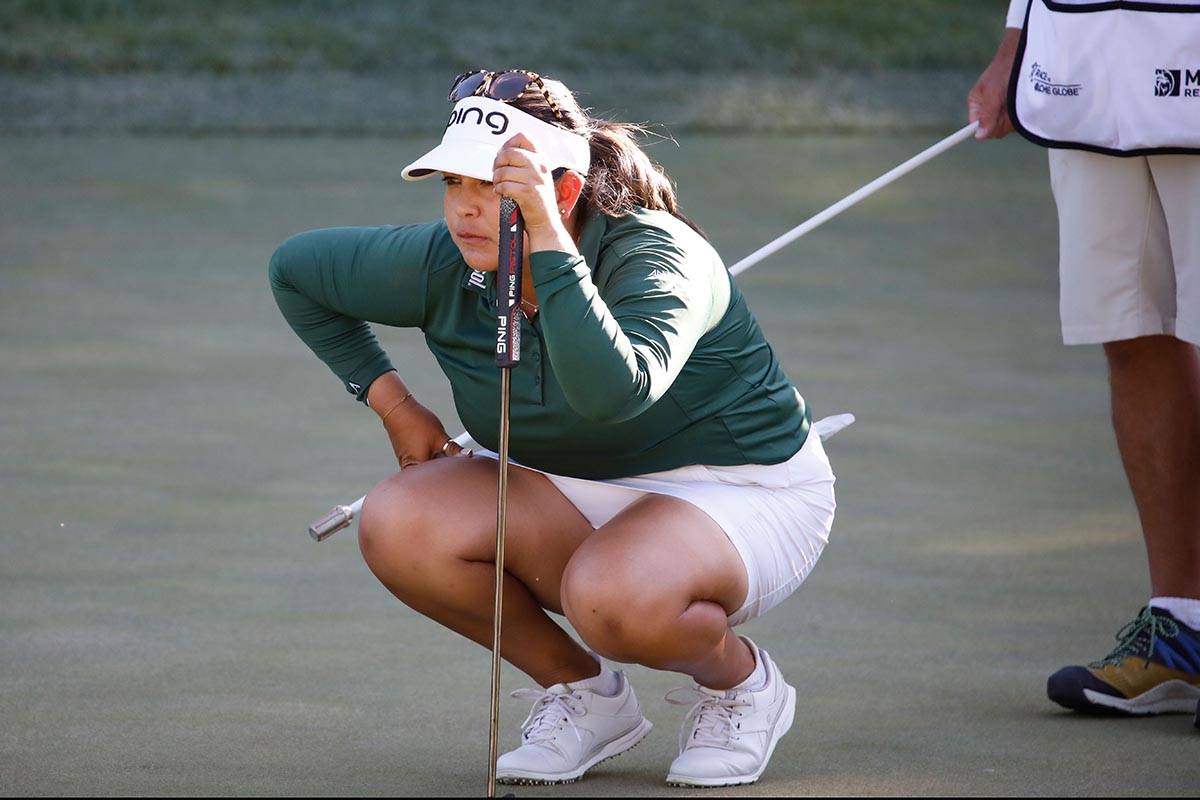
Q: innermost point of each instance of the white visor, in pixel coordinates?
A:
(477, 129)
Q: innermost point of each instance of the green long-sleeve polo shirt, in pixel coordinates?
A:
(643, 357)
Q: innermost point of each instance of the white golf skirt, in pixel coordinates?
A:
(778, 516)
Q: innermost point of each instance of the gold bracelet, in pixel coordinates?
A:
(399, 403)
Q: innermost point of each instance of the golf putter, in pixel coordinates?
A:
(508, 355)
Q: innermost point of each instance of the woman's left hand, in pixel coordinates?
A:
(520, 173)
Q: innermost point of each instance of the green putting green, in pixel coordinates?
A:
(167, 627)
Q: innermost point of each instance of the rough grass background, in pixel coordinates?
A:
(371, 66)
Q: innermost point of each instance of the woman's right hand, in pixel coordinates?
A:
(417, 435)
(415, 432)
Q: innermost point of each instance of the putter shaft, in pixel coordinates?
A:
(501, 514)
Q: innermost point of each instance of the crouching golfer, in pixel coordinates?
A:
(669, 487)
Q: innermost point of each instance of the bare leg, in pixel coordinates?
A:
(1155, 384)
(428, 534)
(654, 586)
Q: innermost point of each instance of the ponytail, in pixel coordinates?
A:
(621, 176)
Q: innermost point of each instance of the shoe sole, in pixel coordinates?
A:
(782, 726)
(1169, 697)
(613, 749)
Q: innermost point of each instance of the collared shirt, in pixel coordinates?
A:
(643, 356)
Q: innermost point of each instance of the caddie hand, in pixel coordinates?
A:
(987, 102)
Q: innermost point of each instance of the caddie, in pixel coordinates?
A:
(1113, 90)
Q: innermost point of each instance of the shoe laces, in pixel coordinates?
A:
(1137, 638)
(551, 710)
(712, 721)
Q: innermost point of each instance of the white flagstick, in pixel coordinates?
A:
(863, 193)
(341, 516)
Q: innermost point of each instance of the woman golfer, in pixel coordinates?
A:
(668, 486)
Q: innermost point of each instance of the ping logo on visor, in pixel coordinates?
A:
(497, 121)
(479, 126)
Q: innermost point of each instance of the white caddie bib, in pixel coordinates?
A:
(1120, 78)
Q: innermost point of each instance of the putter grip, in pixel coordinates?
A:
(508, 284)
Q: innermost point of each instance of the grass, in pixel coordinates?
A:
(222, 37)
(168, 628)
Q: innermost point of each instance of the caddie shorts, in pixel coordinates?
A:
(778, 516)
(1129, 245)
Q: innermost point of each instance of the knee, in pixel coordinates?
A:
(1145, 352)
(391, 522)
(1123, 354)
(614, 612)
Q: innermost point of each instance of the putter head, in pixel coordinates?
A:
(338, 517)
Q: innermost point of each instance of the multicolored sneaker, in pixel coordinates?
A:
(1154, 669)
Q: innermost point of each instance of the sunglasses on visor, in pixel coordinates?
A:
(504, 86)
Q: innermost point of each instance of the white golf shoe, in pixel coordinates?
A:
(570, 730)
(728, 736)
